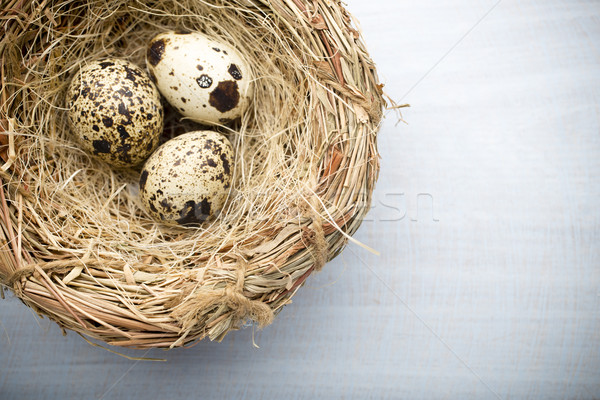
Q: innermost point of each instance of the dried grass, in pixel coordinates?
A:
(76, 246)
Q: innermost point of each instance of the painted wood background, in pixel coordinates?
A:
(487, 215)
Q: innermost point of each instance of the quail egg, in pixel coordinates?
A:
(203, 79)
(115, 111)
(187, 179)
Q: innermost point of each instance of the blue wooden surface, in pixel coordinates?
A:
(486, 214)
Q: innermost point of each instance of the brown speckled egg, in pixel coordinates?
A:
(115, 112)
(205, 80)
(187, 179)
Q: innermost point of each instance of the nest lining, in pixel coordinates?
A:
(78, 248)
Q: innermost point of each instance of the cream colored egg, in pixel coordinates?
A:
(187, 180)
(115, 112)
(203, 79)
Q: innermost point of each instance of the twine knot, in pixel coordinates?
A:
(195, 308)
(319, 242)
(317, 237)
(241, 306)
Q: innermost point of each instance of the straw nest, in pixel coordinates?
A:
(77, 247)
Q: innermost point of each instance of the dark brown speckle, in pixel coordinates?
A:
(105, 64)
(131, 74)
(101, 146)
(235, 72)
(225, 163)
(194, 213)
(143, 179)
(204, 81)
(155, 52)
(122, 132)
(123, 153)
(164, 203)
(124, 111)
(225, 97)
(125, 92)
(107, 121)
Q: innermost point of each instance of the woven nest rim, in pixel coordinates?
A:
(79, 250)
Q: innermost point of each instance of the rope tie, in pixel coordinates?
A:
(191, 311)
(320, 244)
(242, 306)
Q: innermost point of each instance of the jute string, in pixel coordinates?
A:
(319, 242)
(242, 306)
(320, 245)
(194, 307)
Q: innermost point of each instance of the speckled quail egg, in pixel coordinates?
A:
(205, 80)
(115, 111)
(187, 179)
